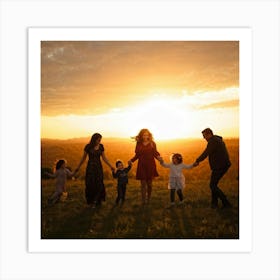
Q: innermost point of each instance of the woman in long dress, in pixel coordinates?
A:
(146, 152)
(95, 190)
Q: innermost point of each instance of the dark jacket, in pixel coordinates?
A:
(121, 175)
(217, 153)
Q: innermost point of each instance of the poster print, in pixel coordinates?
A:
(119, 119)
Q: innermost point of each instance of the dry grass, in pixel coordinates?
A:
(193, 220)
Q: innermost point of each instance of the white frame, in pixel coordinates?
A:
(262, 16)
(243, 35)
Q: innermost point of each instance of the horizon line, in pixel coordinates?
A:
(131, 138)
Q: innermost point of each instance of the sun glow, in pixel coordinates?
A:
(167, 116)
(164, 116)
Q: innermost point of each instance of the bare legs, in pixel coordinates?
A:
(143, 191)
(146, 191)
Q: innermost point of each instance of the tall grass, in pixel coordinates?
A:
(192, 220)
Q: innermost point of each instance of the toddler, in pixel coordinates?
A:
(61, 174)
(121, 175)
(176, 177)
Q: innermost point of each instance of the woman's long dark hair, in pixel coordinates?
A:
(92, 142)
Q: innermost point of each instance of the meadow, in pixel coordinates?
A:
(72, 219)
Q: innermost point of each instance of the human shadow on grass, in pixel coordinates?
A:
(142, 221)
(73, 227)
(231, 218)
(105, 228)
(183, 227)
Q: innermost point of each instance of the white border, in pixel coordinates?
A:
(262, 16)
(243, 35)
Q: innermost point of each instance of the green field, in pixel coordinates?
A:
(192, 220)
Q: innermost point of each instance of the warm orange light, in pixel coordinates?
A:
(167, 116)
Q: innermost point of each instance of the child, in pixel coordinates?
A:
(61, 173)
(121, 175)
(176, 177)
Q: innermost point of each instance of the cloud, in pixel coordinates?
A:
(223, 104)
(90, 75)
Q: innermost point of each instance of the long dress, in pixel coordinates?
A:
(95, 189)
(146, 154)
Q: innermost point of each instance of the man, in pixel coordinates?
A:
(219, 162)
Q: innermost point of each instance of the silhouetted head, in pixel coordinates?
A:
(95, 139)
(60, 164)
(177, 158)
(207, 133)
(119, 164)
(144, 135)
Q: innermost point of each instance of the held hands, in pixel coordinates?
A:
(160, 159)
(74, 174)
(129, 162)
(195, 164)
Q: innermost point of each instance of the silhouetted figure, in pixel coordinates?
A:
(60, 174)
(95, 189)
(219, 162)
(176, 177)
(121, 175)
(145, 152)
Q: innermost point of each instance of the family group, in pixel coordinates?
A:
(146, 153)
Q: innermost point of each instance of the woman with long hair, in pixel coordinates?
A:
(95, 189)
(146, 152)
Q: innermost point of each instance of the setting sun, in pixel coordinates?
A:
(175, 89)
(167, 117)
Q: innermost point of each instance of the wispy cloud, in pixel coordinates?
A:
(224, 104)
(83, 77)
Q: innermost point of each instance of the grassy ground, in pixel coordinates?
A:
(193, 220)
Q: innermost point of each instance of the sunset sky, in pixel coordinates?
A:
(174, 88)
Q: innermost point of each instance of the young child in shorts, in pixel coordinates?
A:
(176, 177)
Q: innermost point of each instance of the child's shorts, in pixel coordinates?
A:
(177, 183)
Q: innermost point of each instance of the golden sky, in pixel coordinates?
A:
(174, 88)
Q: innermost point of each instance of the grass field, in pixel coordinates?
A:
(192, 220)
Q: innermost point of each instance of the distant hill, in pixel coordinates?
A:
(82, 140)
(115, 139)
(118, 148)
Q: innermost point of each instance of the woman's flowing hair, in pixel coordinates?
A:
(139, 138)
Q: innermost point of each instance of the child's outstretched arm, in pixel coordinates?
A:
(128, 168)
(159, 158)
(50, 174)
(114, 174)
(188, 166)
(195, 164)
(163, 164)
(69, 173)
